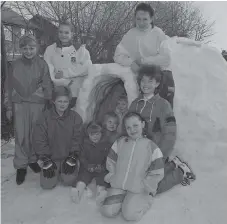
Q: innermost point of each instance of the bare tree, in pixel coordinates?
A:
(101, 25)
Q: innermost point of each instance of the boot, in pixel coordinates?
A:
(35, 167)
(21, 173)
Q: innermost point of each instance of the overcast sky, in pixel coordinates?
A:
(216, 10)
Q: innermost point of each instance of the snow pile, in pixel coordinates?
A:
(200, 103)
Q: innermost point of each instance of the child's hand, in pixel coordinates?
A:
(58, 74)
(91, 168)
(9, 114)
(99, 168)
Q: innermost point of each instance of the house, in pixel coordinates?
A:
(14, 26)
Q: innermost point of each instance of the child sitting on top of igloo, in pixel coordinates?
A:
(68, 65)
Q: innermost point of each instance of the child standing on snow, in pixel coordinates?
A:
(135, 166)
(93, 156)
(68, 65)
(110, 124)
(56, 141)
(145, 44)
(161, 126)
(121, 110)
(28, 87)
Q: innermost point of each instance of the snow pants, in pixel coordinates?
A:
(66, 179)
(133, 206)
(167, 87)
(25, 117)
(172, 177)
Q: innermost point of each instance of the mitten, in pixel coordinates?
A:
(70, 164)
(99, 168)
(49, 168)
(91, 168)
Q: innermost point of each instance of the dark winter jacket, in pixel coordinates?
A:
(94, 153)
(161, 122)
(57, 136)
(110, 136)
(28, 81)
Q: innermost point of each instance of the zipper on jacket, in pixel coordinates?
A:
(129, 164)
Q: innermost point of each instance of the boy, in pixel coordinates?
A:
(161, 126)
(121, 110)
(110, 124)
(56, 141)
(93, 163)
(28, 87)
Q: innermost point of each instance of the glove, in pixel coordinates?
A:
(70, 164)
(99, 168)
(49, 168)
(91, 168)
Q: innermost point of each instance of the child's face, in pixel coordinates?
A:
(122, 105)
(29, 51)
(134, 127)
(111, 124)
(64, 33)
(95, 137)
(61, 103)
(148, 85)
(143, 20)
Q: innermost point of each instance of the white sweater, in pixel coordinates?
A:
(148, 45)
(72, 62)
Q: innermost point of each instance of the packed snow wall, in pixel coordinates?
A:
(200, 104)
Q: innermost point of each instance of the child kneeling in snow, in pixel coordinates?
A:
(94, 151)
(68, 65)
(135, 166)
(56, 141)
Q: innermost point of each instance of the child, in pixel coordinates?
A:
(56, 141)
(121, 110)
(93, 163)
(28, 87)
(161, 124)
(110, 124)
(135, 166)
(145, 45)
(68, 65)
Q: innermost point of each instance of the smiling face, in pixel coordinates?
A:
(148, 85)
(64, 33)
(61, 104)
(111, 124)
(29, 51)
(122, 105)
(143, 19)
(134, 127)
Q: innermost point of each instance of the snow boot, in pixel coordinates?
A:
(35, 167)
(188, 174)
(20, 176)
(177, 161)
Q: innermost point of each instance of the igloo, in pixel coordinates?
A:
(200, 104)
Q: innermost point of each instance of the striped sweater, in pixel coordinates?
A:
(135, 165)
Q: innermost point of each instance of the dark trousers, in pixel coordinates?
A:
(167, 87)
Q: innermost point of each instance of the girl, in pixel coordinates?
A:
(161, 124)
(145, 45)
(135, 166)
(28, 87)
(93, 163)
(56, 141)
(68, 65)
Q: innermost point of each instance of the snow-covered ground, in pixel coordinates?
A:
(200, 109)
